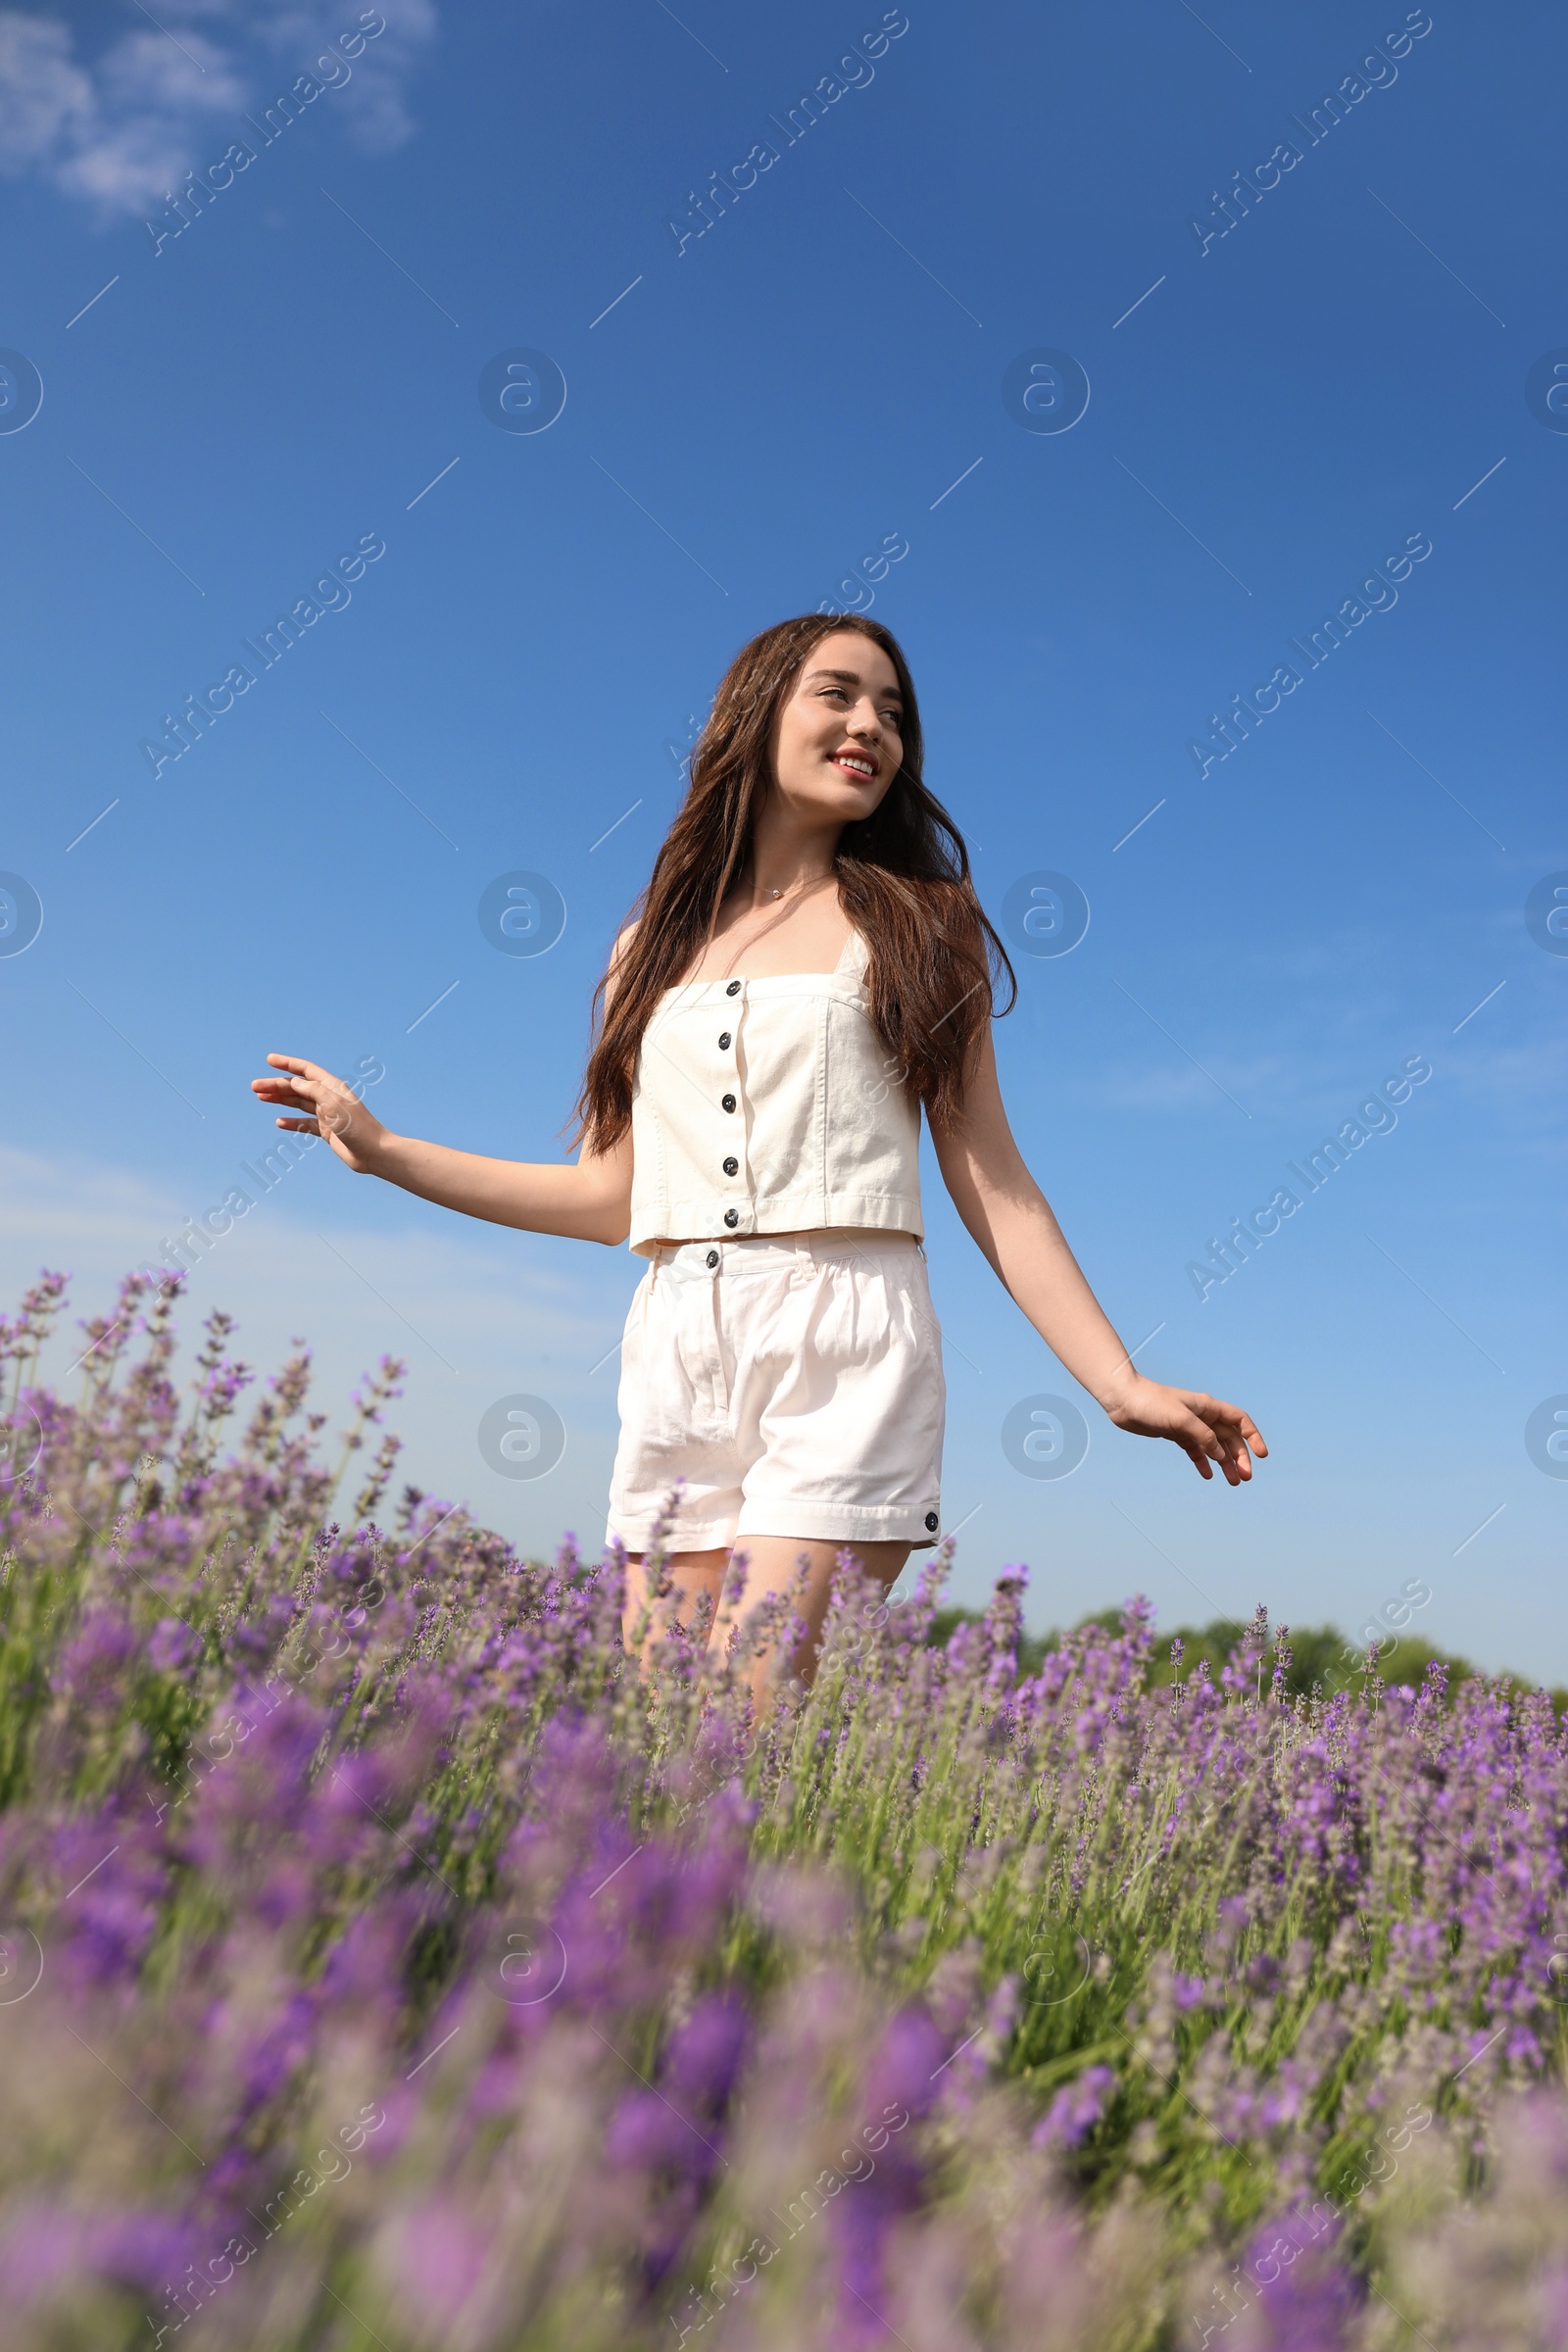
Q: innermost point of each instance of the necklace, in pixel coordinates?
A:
(797, 889)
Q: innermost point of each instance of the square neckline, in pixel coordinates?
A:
(854, 958)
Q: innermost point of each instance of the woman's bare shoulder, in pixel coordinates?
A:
(619, 954)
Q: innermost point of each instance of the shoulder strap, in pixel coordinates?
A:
(856, 956)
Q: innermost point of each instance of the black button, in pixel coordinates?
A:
(712, 1257)
(931, 1522)
(732, 1216)
(732, 1167)
(723, 1040)
(734, 989)
(728, 1103)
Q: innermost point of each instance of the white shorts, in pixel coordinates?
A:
(792, 1385)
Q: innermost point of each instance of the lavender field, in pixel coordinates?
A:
(384, 1961)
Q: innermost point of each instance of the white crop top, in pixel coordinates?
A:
(771, 1106)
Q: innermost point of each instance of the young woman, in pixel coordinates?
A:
(808, 967)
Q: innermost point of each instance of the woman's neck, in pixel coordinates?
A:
(785, 861)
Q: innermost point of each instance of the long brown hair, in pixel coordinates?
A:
(903, 877)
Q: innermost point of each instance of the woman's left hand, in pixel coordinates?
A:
(1205, 1428)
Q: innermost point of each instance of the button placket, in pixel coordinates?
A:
(729, 1104)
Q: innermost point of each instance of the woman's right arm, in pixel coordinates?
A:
(588, 1200)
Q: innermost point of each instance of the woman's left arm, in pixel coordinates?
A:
(1013, 1224)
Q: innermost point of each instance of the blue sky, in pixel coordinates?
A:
(749, 415)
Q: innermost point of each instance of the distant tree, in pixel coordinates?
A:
(1322, 1659)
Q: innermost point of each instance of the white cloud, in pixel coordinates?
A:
(117, 125)
(45, 99)
(374, 102)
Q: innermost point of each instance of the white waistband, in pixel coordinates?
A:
(775, 1252)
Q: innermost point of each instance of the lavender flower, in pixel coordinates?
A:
(377, 1937)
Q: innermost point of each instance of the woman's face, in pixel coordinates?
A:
(837, 744)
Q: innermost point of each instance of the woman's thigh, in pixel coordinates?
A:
(771, 1562)
(691, 1576)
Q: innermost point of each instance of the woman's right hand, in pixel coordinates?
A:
(324, 1105)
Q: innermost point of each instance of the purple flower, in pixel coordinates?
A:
(437, 2255)
(173, 1646)
(1307, 2302)
(43, 2246)
(1075, 2110)
(704, 2054)
(95, 1659)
